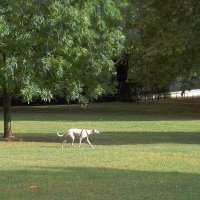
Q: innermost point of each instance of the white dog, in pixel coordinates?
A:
(81, 133)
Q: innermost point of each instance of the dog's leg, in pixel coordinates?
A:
(73, 142)
(80, 140)
(71, 135)
(89, 142)
(63, 143)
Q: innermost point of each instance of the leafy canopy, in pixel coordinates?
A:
(59, 47)
(163, 41)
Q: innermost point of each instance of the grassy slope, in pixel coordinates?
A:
(146, 151)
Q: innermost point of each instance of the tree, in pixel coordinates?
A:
(57, 47)
(162, 42)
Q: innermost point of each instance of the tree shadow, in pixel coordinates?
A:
(108, 112)
(104, 116)
(120, 138)
(97, 183)
(126, 138)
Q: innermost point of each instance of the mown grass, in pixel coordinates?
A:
(145, 151)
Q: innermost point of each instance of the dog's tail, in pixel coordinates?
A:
(60, 135)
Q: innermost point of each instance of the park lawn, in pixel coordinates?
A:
(147, 150)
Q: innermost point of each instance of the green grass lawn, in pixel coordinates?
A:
(146, 151)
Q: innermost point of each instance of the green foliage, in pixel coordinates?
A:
(56, 47)
(163, 41)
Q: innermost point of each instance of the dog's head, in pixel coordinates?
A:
(95, 131)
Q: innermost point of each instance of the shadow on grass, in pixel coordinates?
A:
(98, 184)
(104, 116)
(125, 138)
(122, 138)
(109, 112)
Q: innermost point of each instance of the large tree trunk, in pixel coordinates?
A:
(7, 114)
(124, 92)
